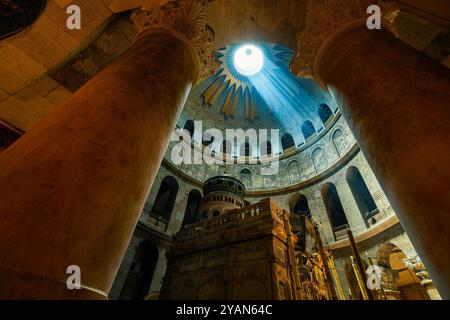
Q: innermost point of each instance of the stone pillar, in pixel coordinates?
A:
(124, 269)
(351, 209)
(158, 275)
(176, 220)
(396, 102)
(72, 188)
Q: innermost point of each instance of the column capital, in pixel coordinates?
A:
(187, 17)
(324, 18)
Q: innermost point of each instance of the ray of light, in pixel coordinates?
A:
(284, 95)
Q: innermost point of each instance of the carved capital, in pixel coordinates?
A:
(326, 17)
(189, 18)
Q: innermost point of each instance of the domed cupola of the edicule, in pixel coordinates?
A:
(221, 194)
(224, 150)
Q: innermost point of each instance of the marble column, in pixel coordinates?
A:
(72, 188)
(396, 102)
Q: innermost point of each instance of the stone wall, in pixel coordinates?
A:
(307, 163)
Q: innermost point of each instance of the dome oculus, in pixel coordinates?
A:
(248, 60)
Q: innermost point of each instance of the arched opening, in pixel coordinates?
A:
(324, 112)
(334, 209)
(266, 149)
(189, 126)
(223, 170)
(308, 129)
(293, 171)
(140, 274)
(361, 193)
(339, 142)
(165, 199)
(400, 282)
(287, 141)
(194, 200)
(246, 177)
(302, 207)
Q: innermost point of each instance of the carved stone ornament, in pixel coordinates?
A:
(324, 18)
(187, 17)
(416, 265)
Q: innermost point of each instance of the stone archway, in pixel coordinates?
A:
(399, 282)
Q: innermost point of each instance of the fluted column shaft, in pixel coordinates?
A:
(72, 188)
(397, 104)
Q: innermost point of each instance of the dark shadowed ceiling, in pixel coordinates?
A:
(249, 20)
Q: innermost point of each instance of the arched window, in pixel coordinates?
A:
(190, 127)
(302, 207)
(194, 199)
(308, 129)
(324, 112)
(339, 142)
(246, 177)
(165, 199)
(266, 149)
(246, 150)
(223, 170)
(293, 171)
(319, 160)
(361, 193)
(287, 141)
(334, 207)
(140, 274)
(227, 147)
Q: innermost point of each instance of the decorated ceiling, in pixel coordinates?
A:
(271, 99)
